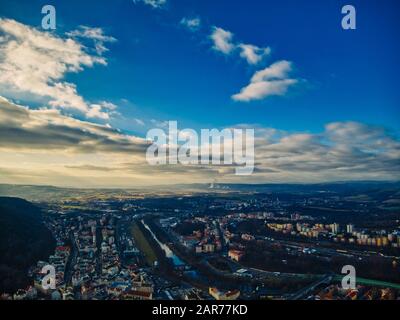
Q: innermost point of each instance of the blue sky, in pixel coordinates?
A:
(324, 101)
(168, 72)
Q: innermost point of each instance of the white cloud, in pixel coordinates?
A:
(278, 70)
(153, 3)
(33, 64)
(108, 105)
(222, 40)
(95, 34)
(270, 81)
(193, 24)
(139, 121)
(252, 53)
(263, 89)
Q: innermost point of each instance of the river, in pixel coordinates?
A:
(168, 252)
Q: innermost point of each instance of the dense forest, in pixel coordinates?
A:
(24, 240)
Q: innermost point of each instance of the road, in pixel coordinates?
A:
(307, 290)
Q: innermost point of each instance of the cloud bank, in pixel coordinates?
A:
(44, 146)
(25, 130)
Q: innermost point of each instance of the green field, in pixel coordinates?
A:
(143, 245)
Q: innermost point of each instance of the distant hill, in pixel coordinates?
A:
(346, 187)
(50, 193)
(24, 240)
(37, 193)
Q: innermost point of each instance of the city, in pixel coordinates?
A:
(217, 244)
